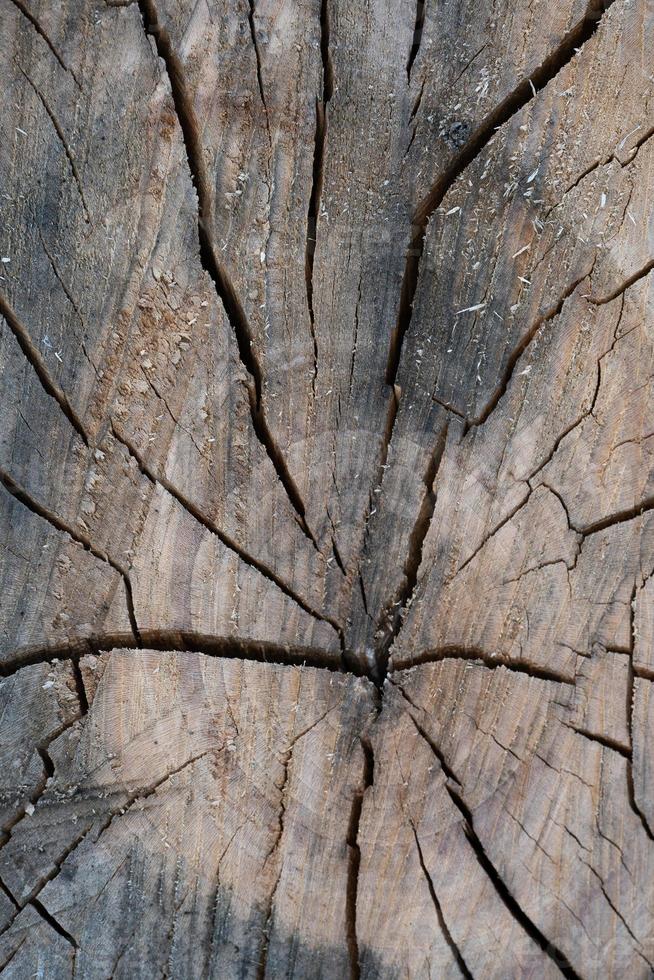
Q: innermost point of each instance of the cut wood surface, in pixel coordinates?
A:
(326, 489)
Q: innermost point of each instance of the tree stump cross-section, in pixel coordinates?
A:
(327, 350)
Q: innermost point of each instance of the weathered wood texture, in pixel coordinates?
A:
(327, 564)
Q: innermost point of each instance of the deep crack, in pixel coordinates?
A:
(211, 264)
(449, 939)
(354, 859)
(417, 36)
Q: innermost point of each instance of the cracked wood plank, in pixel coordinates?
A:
(326, 489)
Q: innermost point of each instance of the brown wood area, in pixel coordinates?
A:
(327, 489)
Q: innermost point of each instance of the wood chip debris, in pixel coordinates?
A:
(471, 309)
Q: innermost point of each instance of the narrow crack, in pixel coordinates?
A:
(355, 341)
(210, 262)
(335, 550)
(27, 13)
(469, 63)
(131, 612)
(265, 942)
(37, 362)
(614, 908)
(393, 406)
(364, 597)
(213, 908)
(392, 618)
(603, 162)
(312, 231)
(448, 407)
(32, 800)
(566, 432)
(412, 117)
(354, 859)
(532, 569)
(645, 138)
(62, 139)
(387, 435)
(495, 530)
(517, 352)
(631, 789)
(604, 740)
(69, 296)
(327, 64)
(257, 55)
(5, 963)
(449, 939)
(338, 558)
(624, 286)
(561, 500)
(70, 650)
